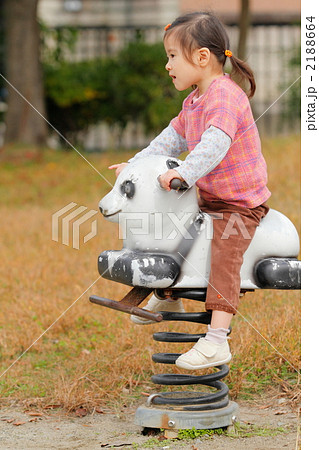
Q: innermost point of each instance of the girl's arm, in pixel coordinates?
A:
(207, 154)
(167, 143)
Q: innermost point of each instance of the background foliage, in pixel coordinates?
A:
(292, 109)
(129, 87)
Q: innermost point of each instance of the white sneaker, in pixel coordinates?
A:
(156, 305)
(204, 354)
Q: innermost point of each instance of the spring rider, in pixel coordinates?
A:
(166, 251)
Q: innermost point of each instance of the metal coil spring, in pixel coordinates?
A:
(188, 400)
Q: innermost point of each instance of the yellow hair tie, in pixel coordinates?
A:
(228, 53)
(167, 26)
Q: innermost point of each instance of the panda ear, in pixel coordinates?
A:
(171, 164)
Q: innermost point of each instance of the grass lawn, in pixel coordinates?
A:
(96, 356)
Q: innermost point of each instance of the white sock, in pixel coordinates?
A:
(216, 335)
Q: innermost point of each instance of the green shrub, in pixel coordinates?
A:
(57, 43)
(130, 87)
(144, 90)
(76, 97)
(292, 99)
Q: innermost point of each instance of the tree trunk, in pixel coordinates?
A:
(244, 23)
(24, 73)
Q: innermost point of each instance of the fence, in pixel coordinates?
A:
(269, 50)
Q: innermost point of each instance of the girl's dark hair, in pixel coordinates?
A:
(203, 29)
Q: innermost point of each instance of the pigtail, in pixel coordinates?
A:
(242, 74)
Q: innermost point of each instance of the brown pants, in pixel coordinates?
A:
(234, 227)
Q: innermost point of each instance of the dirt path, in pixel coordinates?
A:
(54, 430)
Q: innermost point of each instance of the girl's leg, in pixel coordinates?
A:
(219, 328)
(221, 319)
(234, 228)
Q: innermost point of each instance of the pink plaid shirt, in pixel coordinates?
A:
(241, 177)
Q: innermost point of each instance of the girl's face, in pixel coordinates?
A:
(201, 71)
(184, 74)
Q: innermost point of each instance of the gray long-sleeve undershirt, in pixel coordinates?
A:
(207, 154)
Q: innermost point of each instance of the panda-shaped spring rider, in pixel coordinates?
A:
(166, 251)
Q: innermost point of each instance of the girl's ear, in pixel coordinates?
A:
(203, 56)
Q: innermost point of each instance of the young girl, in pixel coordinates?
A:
(225, 161)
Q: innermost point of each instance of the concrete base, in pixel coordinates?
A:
(154, 417)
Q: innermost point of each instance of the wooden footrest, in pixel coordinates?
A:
(129, 304)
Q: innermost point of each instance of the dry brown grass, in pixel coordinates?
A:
(94, 356)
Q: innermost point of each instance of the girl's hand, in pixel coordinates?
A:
(118, 168)
(166, 178)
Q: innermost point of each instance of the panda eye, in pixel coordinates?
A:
(128, 188)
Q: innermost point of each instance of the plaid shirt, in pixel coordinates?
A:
(241, 177)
